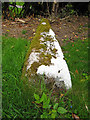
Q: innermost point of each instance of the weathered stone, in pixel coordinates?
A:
(45, 57)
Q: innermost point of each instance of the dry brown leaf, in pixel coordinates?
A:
(19, 20)
(72, 45)
(65, 36)
(76, 71)
(61, 95)
(75, 117)
(76, 36)
(33, 30)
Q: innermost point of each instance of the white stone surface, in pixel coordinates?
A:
(43, 23)
(58, 69)
(34, 57)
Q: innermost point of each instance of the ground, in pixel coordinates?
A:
(70, 28)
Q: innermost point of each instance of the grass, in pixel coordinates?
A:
(14, 51)
(18, 95)
(0, 76)
(77, 60)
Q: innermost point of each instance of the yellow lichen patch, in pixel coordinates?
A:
(48, 38)
(45, 59)
(54, 50)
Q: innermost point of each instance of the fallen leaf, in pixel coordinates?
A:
(61, 95)
(82, 80)
(65, 36)
(33, 101)
(75, 117)
(30, 38)
(33, 30)
(19, 20)
(76, 36)
(86, 107)
(12, 46)
(26, 26)
(72, 45)
(13, 22)
(34, 33)
(8, 30)
(70, 38)
(64, 24)
(76, 71)
(4, 25)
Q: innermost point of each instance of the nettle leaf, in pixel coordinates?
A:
(37, 101)
(45, 105)
(44, 115)
(36, 96)
(54, 111)
(49, 106)
(43, 98)
(48, 101)
(53, 115)
(55, 106)
(61, 110)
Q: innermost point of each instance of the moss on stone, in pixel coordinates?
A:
(43, 28)
(54, 50)
(48, 38)
(45, 59)
(34, 67)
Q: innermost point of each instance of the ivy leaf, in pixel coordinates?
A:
(61, 110)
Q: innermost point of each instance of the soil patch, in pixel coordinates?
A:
(68, 29)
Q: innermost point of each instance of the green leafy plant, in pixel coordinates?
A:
(48, 111)
(85, 76)
(24, 31)
(70, 9)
